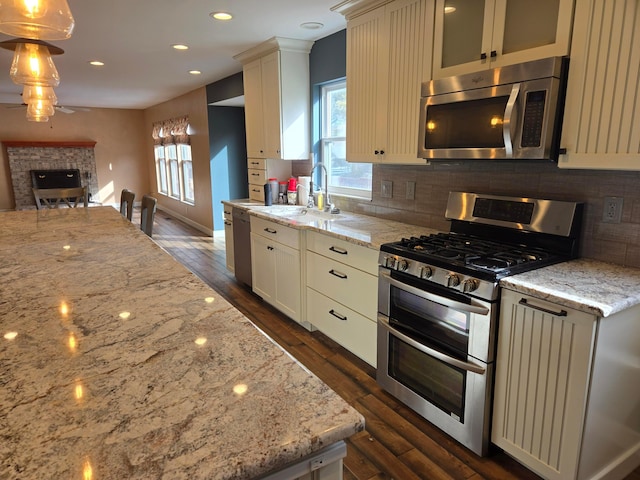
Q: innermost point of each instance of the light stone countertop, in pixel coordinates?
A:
(118, 361)
(587, 285)
(363, 230)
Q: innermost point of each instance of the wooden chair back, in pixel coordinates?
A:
(126, 203)
(147, 214)
(55, 197)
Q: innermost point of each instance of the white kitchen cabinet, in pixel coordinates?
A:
(276, 269)
(228, 238)
(473, 35)
(259, 170)
(277, 101)
(342, 290)
(388, 57)
(600, 129)
(565, 389)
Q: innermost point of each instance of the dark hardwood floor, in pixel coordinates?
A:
(397, 443)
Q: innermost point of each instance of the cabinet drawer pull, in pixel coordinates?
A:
(255, 190)
(255, 163)
(337, 315)
(227, 222)
(255, 174)
(561, 313)
(270, 230)
(337, 274)
(269, 247)
(338, 250)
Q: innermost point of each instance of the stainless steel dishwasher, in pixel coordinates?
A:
(242, 245)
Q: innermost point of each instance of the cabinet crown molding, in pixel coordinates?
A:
(354, 8)
(274, 44)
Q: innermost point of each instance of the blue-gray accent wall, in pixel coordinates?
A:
(227, 146)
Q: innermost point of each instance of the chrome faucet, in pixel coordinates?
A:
(327, 204)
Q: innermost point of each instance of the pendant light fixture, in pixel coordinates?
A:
(36, 19)
(32, 63)
(32, 93)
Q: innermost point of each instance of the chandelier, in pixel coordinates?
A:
(37, 19)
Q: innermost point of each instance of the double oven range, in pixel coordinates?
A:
(438, 301)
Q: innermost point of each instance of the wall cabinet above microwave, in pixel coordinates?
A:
(277, 100)
(475, 35)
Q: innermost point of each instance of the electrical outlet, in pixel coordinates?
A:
(386, 191)
(612, 209)
(411, 191)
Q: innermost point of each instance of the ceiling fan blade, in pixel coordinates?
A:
(64, 109)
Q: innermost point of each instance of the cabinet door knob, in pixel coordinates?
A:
(494, 54)
(483, 56)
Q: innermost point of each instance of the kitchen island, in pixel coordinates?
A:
(118, 363)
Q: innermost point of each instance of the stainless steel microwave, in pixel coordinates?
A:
(511, 112)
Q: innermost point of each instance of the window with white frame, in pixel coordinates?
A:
(350, 179)
(174, 165)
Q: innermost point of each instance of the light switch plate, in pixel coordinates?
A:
(411, 191)
(386, 191)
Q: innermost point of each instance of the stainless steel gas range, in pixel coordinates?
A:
(438, 300)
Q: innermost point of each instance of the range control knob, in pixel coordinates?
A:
(402, 265)
(453, 280)
(389, 262)
(469, 285)
(426, 272)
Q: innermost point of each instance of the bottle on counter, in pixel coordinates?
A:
(320, 201)
(268, 199)
(274, 189)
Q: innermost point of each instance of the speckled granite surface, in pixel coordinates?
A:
(587, 285)
(358, 229)
(118, 362)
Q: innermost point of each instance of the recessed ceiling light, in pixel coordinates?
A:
(179, 46)
(195, 72)
(221, 15)
(96, 63)
(449, 9)
(312, 25)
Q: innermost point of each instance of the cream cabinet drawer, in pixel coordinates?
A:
(354, 288)
(356, 256)
(276, 232)
(256, 192)
(257, 163)
(257, 177)
(350, 329)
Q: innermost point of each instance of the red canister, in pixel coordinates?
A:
(293, 184)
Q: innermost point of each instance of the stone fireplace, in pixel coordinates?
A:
(26, 156)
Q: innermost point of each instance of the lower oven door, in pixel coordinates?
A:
(451, 393)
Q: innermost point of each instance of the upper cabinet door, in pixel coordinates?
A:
(472, 35)
(601, 122)
(388, 57)
(252, 76)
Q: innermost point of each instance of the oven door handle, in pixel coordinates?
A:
(454, 362)
(447, 302)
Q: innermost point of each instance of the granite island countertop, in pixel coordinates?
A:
(118, 363)
(587, 285)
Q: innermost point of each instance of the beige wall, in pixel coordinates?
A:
(193, 104)
(119, 151)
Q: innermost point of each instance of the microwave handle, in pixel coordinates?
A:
(508, 120)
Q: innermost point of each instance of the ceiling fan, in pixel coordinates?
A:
(59, 108)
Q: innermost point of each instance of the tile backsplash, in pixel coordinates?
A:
(610, 242)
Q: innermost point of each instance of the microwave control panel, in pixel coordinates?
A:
(533, 119)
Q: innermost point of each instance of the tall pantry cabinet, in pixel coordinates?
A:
(389, 47)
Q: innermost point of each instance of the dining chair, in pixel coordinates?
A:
(147, 214)
(55, 197)
(126, 203)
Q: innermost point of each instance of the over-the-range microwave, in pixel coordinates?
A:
(511, 112)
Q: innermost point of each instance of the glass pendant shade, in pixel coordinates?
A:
(37, 118)
(32, 93)
(32, 65)
(39, 19)
(40, 108)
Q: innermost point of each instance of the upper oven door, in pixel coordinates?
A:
(447, 320)
(512, 121)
